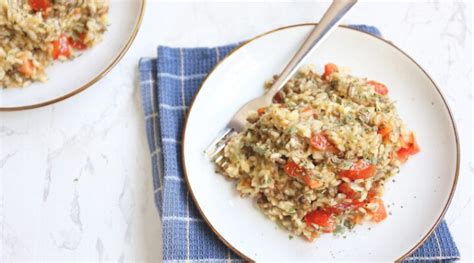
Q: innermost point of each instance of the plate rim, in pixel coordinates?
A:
(99, 76)
(453, 123)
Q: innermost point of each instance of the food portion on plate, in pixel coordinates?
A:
(42, 31)
(316, 159)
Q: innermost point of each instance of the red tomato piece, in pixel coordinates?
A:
(346, 189)
(357, 219)
(321, 218)
(408, 148)
(329, 69)
(372, 194)
(39, 5)
(414, 148)
(311, 183)
(336, 210)
(379, 87)
(261, 111)
(384, 129)
(359, 170)
(26, 67)
(294, 170)
(319, 141)
(61, 47)
(380, 213)
(403, 154)
(78, 44)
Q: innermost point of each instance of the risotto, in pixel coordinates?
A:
(32, 37)
(316, 159)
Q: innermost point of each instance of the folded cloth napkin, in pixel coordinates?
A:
(168, 84)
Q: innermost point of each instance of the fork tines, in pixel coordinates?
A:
(218, 145)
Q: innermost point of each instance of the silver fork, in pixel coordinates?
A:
(329, 21)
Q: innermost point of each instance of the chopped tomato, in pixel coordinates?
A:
(408, 148)
(39, 5)
(61, 47)
(346, 189)
(329, 69)
(402, 155)
(311, 183)
(358, 217)
(342, 207)
(319, 141)
(379, 87)
(261, 111)
(336, 210)
(26, 67)
(384, 129)
(78, 44)
(372, 193)
(294, 170)
(359, 170)
(414, 148)
(380, 213)
(321, 218)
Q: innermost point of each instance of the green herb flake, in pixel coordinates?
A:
(290, 237)
(348, 119)
(373, 160)
(346, 165)
(339, 230)
(349, 225)
(259, 150)
(291, 129)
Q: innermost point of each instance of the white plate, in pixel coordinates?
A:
(421, 191)
(69, 78)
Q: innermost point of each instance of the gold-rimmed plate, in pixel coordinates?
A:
(418, 197)
(69, 78)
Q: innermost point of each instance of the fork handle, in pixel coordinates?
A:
(328, 22)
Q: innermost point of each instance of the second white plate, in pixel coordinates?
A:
(71, 77)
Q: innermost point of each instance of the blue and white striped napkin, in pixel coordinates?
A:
(168, 84)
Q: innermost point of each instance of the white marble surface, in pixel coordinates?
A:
(75, 178)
